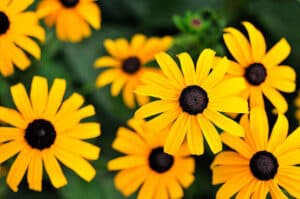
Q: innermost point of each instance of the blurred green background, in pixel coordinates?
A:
(123, 18)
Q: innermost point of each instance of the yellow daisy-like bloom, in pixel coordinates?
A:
(45, 130)
(259, 165)
(160, 175)
(126, 64)
(297, 105)
(260, 69)
(16, 29)
(71, 17)
(192, 101)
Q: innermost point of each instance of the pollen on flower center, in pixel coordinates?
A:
(160, 161)
(193, 99)
(256, 74)
(40, 134)
(263, 165)
(4, 23)
(131, 65)
(69, 3)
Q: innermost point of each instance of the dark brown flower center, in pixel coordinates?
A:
(40, 134)
(69, 3)
(4, 23)
(256, 74)
(160, 161)
(264, 165)
(131, 65)
(193, 99)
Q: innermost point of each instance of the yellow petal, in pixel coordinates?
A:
(76, 163)
(188, 68)
(275, 98)
(129, 180)
(275, 191)
(236, 85)
(21, 101)
(194, 137)
(87, 150)
(170, 68)
(210, 133)
(106, 61)
(204, 64)
(279, 52)
(174, 188)
(229, 105)
(117, 85)
(257, 41)
(39, 95)
(233, 185)
(19, 59)
(289, 143)
(55, 97)
(279, 132)
(53, 169)
(129, 142)
(137, 43)
(91, 13)
(149, 187)
(126, 162)
(235, 49)
(217, 74)
(176, 134)
(154, 108)
(230, 158)
(29, 45)
(12, 117)
(259, 127)
(107, 77)
(17, 6)
(85, 130)
(241, 42)
(237, 144)
(18, 169)
(35, 171)
(10, 133)
(224, 122)
(10, 149)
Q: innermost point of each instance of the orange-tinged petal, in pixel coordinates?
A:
(107, 61)
(149, 187)
(90, 12)
(127, 162)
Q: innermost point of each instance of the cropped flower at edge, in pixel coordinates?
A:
(17, 29)
(191, 102)
(259, 164)
(262, 70)
(126, 64)
(70, 17)
(44, 130)
(145, 165)
(297, 107)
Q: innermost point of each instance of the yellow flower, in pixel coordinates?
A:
(45, 130)
(145, 164)
(126, 64)
(297, 105)
(16, 29)
(260, 69)
(192, 101)
(71, 17)
(259, 164)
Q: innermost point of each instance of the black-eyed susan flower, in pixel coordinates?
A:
(71, 17)
(260, 164)
(262, 70)
(127, 64)
(44, 131)
(17, 28)
(145, 164)
(191, 102)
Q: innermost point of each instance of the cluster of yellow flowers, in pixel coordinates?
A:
(190, 103)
